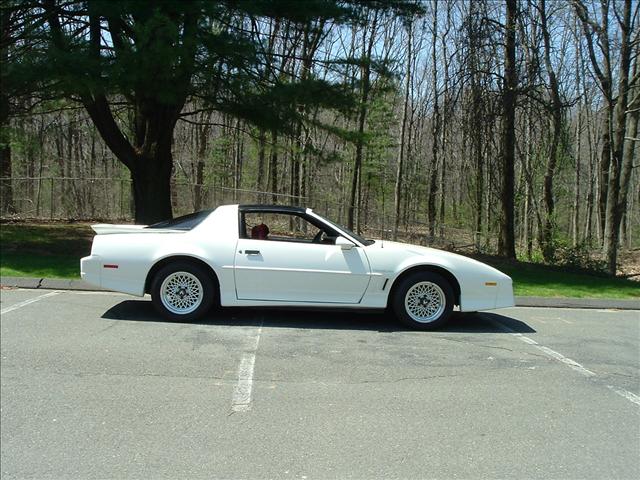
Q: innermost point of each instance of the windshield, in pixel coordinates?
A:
(361, 239)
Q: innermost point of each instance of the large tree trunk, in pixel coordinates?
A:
(151, 178)
(506, 240)
(148, 157)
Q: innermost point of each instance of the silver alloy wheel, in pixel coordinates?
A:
(425, 302)
(181, 293)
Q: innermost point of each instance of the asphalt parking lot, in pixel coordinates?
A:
(96, 385)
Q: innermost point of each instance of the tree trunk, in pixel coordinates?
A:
(202, 134)
(631, 142)
(506, 240)
(576, 195)
(435, 130)
(273, 166)
(6, 188)
(444, 124)
(151, 178)
(262, 140)
(603, 178)
(403, 129)
(546, 230)
(614, 204)
(527, 164)
(238, 154)
(476, 123)
(365, 73)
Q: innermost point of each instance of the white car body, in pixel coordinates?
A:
(347, 274)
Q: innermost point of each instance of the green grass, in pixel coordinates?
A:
(543, 281)
(51, 251)
(39, 266)
(54, 251)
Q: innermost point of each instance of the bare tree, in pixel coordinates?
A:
(506, 240)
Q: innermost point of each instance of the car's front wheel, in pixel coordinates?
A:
(423, 300)
(182, 291)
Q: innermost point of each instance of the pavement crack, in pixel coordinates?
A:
(113, 324)
(359, 382)
(619, 374)
(404, 379)
(479, 344)
(134, 375)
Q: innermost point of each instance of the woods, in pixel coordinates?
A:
(511, 125)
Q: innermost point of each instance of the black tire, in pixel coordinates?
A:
(432, 295)
(185, 303)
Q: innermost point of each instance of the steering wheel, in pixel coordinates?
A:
(318, 237)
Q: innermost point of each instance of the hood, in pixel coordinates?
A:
(433, 255)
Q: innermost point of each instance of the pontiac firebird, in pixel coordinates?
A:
(261, 255)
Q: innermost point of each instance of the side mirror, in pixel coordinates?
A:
(344, 243)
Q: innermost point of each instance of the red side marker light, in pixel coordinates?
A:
(108, 265)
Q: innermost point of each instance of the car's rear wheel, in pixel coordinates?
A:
(182, 291)
(423, 300)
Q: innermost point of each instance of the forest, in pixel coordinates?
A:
(503, 126)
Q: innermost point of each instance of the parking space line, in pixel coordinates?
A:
(632, 397)
(27, 302)
(241, 401)
(98, 292)
(549, 352)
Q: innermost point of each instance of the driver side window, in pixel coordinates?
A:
(284, 227)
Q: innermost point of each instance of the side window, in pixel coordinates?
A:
(282, 227)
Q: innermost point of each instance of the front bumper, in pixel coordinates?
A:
(487, 293)
(504, 296)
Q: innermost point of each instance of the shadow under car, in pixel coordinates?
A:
(330, 318)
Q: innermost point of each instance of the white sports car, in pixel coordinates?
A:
(260, 255)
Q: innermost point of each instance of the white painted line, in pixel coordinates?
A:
(632, 397)
(27, 302)
(567, 361)
(549, 352)
(94, 292)
(241, 401)
(78, 292)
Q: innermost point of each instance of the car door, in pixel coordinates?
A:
(299, 271)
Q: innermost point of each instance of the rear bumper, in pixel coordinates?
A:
(90, 269)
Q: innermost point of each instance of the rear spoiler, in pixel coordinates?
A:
(108, 229)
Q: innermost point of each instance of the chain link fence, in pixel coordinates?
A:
(64, 198)
(111, 200)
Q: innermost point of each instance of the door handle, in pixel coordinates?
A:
(252, 252)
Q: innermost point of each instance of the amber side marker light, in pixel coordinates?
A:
(491, 284)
